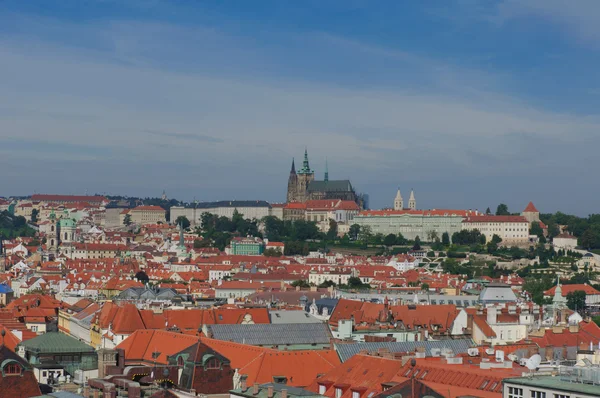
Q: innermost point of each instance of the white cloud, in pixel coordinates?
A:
(111, 96)
(579, 17)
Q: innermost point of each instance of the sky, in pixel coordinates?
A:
(471, 103)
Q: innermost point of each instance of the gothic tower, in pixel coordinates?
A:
(326, 171)
(305, 176)
(412, 202)
(292, 189)
(398, 201)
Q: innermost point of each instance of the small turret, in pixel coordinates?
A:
(326, 171)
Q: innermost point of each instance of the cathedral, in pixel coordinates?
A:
(302, 186)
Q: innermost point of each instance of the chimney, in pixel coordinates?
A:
(492, 316)
(284, 393)
(270, 392)
(244, 383)
(255, 389)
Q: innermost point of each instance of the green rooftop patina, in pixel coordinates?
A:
(556, 383)
(55, 343)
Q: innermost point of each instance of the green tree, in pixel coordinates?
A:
(237, 219)
(590, 239)
(576, 300)
(271, 252)
(34, 215)
(274, 228)
(390, 240)
(301, 283)
(488, 211)
(365, 234)
(446, 238)
(536, 229)
(142, 277)
(425, 287)
(482, 239)
(417, 245)
(502, 210)
(355, 283)
(183, 221)
(333, 230)
(200, 243)
(354, 231)
(127, 220)
(208, 221)
(400, 240)
(327, 283)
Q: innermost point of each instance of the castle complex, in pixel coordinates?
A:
(303, 187)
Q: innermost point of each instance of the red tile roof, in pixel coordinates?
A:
(481, 322)
(360, 371)
(498, 219)
(434, 212)
(67, 198)
(588, 332)
(530, 208)
(566, 289)
(141, 345)
(148, 208)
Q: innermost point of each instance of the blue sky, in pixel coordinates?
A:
(471, 102)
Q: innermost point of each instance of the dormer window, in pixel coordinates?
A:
(322, 389)
(12, 369)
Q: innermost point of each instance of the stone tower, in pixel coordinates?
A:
(398, 201)
(412, 202)
(292, 189)
(305, 176)
(53, 238)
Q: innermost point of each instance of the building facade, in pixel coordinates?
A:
(146, 215)
(514, 230)
(413, 223)
(250, 209)
(246, 246)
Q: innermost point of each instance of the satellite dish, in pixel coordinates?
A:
(473, 352)
(534, 362)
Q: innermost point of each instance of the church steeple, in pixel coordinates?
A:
(326, 171)
(398, 201)
(412, 202)
(305, 165)
(293, 171)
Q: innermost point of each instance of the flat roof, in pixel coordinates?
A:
(555, 383)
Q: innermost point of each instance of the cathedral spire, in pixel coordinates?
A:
(305, 165)
(326, 171)
(293, 171)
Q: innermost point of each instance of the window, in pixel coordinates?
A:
(514, 392)
(355, 394)
(338, 392)
(561, 396)
(322, 389)
(12, 369)
(213, 363)
(538, 394)
(180, 361)
(34, 328)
